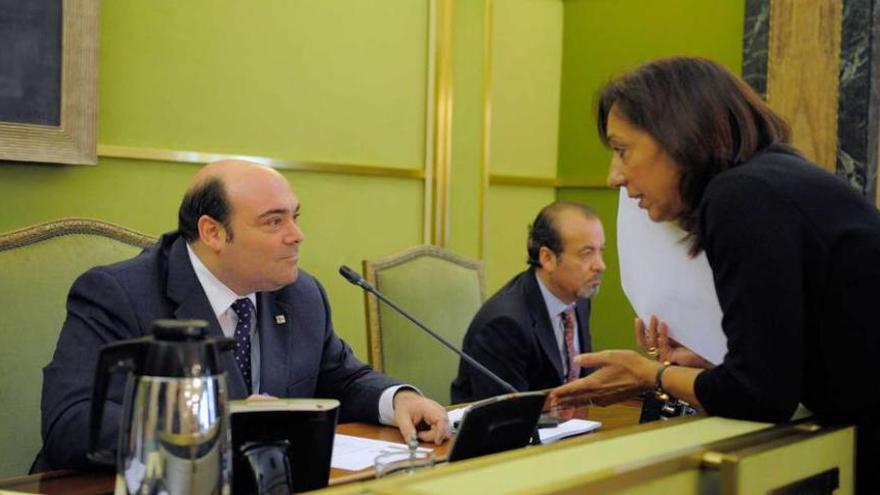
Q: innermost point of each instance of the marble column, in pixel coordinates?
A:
(756, 35)
(858, 79)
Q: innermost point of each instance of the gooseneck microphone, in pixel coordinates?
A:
(356, 279)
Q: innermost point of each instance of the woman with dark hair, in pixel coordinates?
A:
(794, 252)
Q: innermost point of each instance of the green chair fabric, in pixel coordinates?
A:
(37, 267)
(439, 288)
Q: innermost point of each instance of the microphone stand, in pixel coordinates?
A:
(356, 279)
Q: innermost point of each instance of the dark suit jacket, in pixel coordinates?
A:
(301, 357)
(512, 336)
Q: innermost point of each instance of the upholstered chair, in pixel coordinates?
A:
(438, 287)
(38, 264)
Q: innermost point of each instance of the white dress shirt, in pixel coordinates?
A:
(221, 298)
(555, 308)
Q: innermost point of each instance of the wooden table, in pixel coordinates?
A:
(85, 483)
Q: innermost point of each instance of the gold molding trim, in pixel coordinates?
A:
(729, 464)
(523, 181)
(486, 141)
(430, 113)
(633, 475)
(73, 140)
(516, 180)
(442, 141)
(178, 156)
(401, 485)
(582, 184)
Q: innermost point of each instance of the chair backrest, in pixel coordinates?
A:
(441, 289)
(38, 265)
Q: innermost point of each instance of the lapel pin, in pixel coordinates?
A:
(280, 319)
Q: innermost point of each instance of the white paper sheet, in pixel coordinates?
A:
(566, 429)
(455, 415)
(355, 453)
(548, 435)
(659, 278)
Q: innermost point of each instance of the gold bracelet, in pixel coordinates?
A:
(658, 382)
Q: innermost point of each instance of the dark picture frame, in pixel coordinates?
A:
(66, 133)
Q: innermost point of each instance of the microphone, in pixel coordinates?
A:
(356, 279)
(492, 425)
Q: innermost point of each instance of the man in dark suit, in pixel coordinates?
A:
(236, 253)
(529, 331)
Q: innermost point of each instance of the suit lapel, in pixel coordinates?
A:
(184, 288)
(582, 311)
(541, 322)
(276, 331)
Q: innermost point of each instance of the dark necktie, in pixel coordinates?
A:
(568, 337)
(244, 310)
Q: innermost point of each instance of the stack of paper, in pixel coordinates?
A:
(567, 429)
(455, 416)
(355, 453)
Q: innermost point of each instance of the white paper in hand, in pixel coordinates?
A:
(659, 278)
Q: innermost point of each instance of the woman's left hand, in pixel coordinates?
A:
(620, 375)
(655, 337)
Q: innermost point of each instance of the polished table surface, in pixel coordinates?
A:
(82, 483)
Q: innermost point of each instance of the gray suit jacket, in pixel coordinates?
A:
(301, 357)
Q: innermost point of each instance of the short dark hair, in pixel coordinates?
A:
(706, 118)
(207, 198)
(545, 232)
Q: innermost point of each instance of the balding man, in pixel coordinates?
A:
(237, 245)
(530, 330)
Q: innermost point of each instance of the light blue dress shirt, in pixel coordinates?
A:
(555, 308)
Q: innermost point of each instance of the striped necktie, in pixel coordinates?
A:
(568, 337)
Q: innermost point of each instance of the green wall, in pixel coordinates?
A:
(322, 80)
(327, 80)
(603, 38)
(465, 178)
(526, 68)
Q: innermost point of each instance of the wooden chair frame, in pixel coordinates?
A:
(70, 226)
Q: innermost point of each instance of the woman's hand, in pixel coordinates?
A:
(655, 341)
(620, 375)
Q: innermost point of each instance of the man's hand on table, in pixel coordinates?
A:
(411, 409)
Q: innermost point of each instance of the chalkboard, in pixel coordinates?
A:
(30, 61)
